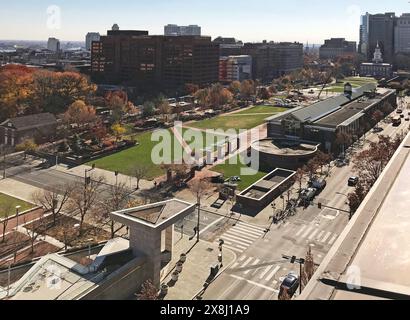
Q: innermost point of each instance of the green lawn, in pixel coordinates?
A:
(261, 109)
(356, 82)
(231, 170)
(10, 203)
(208, 139)
(125, 160)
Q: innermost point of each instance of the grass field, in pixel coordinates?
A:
(241, 120)
(125, 160)
(231, 170)
(356, 82)
(208, 139)
(11, 202)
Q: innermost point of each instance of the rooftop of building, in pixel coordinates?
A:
(372, 253)
(282, 147)
(157, 214)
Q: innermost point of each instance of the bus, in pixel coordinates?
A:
(396, 121)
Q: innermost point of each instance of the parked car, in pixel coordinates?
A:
(307, 195)
(317, 184)
(407, 119)
(353, 181)
(290, 284)
(235, 179)
(399, 111)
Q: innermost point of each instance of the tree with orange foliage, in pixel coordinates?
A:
(79, 113)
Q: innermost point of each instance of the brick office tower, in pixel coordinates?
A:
(154, 63)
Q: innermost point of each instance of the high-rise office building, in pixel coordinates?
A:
(235, 68)
(154, 62)
(271, 60)
(402, 34)
(175, 30)
(89, 38)
(381, 31)
(337, 47)
(53, 44)
(364, 34)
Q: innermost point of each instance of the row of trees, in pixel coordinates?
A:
(369, 165)
(26, 90)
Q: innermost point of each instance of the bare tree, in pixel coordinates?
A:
(199, 188)
(148, 291)
(117, 199)
(54, 199)
(84, 198)
(34, 231)
(299, 176)
(140, 172)
(7, 210)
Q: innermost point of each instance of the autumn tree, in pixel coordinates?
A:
(284, 295)
(148, 109)
(219, 96)
(377, 116)
(299, 177)
(164, 108)
(84, 198)
(27, 146)
(264, 94)
(54, 199)
(118, 130)
(15, 90)
(308, 269)
(322, 159)
(191, 88)
(248, 89)
(235, 87)
(80, 113)
(117, 103)
(343, 140)
(148, 291)
(202, 96)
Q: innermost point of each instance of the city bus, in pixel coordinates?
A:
(396, 121)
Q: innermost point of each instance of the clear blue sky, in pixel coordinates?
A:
(247, 20)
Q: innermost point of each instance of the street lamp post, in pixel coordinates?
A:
(301, 262)
(220, 257)
(15, 233)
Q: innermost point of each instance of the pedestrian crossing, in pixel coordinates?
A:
(315, 234)
(240, 237)
(262, 273)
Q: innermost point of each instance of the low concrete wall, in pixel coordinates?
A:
(121, 284)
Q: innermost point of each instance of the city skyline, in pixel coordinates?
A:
(269, 18)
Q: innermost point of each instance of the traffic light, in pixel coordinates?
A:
(293, 259)
(319, 205)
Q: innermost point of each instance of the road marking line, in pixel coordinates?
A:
(237, 239)
(249, 226)
(313, 234)
(245, 233)
(333, 239)
(254, 283)
(211, 225)
(241, 247)
(307, 232)
(242, 258)
(326, 237)
(246, 263)
(300, 231)
(238, 229)
(253, 264)
(234, 249)
(272, 274)
(235, 265)
(265, 272)
(320, 235)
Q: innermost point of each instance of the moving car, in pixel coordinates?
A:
(353, 181)
(399, 111)
(318, 184)
(378, 129)
(290, 284)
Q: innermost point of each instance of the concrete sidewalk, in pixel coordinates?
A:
(196, 269)
(18, 189)
(109, 176)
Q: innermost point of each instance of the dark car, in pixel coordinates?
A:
(290, 284)
(377, 129)
(353, 181)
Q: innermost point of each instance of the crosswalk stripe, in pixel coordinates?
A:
(245, 233)
(253, 264)
(272, 274)
(237, 239)
(320, 235)
(246, 263)
(312, 235)
(265, 272)
(234, 249)
(307, 232)
(300, 231)
(333, 239)
(242, 258)
(249, 226)
(326, 237)
(236, 229)
(235, 265)
(241, 247)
